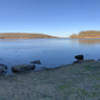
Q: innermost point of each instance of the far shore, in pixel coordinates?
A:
(79, 81)
(25, 35)
(89, 34)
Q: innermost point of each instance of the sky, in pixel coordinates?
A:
(54, 17)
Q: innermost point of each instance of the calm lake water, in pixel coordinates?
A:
(51, 52)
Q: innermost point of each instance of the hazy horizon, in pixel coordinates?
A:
(53, 17)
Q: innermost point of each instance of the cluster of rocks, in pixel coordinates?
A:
(19, 68)
(32, 66)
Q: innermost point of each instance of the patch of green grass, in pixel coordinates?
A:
(68, 85)
(94, 94)
(80, 92)
(62, 87)
(88, 67)
(94, 76)
(92, 68)
(97, 77)
(97, 86)
(67, 89)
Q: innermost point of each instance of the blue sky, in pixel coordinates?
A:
(55, 17)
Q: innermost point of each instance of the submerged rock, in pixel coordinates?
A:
(23, 68)
(3, 68)
(36, 62)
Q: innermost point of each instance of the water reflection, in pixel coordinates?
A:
(89, 41)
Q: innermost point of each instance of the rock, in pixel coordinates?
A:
(23, 68)
(3, 68)
(79, 57)
(36, 62)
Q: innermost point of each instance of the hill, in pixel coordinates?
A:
(24, 35)
(86, 34)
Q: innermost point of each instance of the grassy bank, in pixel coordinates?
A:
(70, 82)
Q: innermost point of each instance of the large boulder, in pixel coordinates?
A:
(23, 68)
(36, 62)
(3, 68)
(79, 57)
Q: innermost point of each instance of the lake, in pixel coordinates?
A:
(51, 52)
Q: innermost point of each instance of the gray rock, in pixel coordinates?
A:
(36, 62)
(23, 68)
(3, 68)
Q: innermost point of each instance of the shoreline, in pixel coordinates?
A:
(72, 81)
